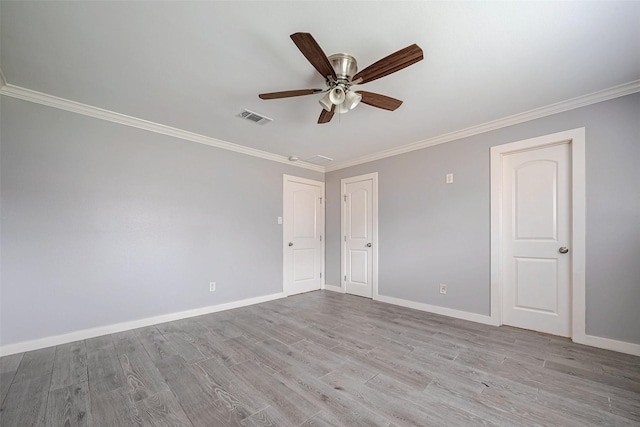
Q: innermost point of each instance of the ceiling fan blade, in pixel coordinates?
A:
(289, 93)
(390, 64)
(326, 116)
(380, 101)
(314, 54)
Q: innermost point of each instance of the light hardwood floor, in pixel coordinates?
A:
(321, 359)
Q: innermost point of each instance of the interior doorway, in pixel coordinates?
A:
(303, 230)
(537, 234)
(360, 235)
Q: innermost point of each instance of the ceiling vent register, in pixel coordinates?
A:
(318, 159)
(255, 117)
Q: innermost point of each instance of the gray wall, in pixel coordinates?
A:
(103, 223)
(432, 233)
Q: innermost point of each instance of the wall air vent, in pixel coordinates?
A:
(318, 159)
(255, 117)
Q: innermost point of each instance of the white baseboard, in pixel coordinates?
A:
(608, 344)
(458, 314)
(125, 326)
(590, 340)
(333, 288)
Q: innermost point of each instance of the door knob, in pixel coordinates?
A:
(563, 250)
(368, 245)
(290, 243)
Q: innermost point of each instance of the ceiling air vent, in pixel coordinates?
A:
(255, 117)
(318, 159)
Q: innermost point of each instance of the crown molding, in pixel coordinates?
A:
(99, 113)
(570, 104)
(111, 116)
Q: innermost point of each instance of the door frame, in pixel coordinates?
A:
(576, 137)
(290, 179)
(374, 234)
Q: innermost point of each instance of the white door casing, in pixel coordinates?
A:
(526, 233)
(536, 225)
(359, 235)
(303, 228)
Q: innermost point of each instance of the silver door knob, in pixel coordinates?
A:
(368, 245)
(290, 243)
(563, 250)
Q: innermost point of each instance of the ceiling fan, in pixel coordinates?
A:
(340, 72)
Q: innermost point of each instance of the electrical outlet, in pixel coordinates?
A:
(449, 178)
(443, 289)
(212, 286)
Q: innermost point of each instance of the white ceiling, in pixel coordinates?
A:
(196, 65)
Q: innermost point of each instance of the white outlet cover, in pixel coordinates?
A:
(279, 220)
(212, 286)
(449, 178)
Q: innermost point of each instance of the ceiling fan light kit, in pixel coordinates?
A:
(336, 95)
(352, 99)
(326, 103)
(340, 72)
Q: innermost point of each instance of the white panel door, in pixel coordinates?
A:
(303, 223)
(536, 220)
(358, 231)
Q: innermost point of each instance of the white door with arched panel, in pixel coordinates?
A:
(359, 231)
(303, 222)
(536, 203)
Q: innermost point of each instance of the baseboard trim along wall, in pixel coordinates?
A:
(609, 344)
(134, 324)
(333, 288)
(590, 340)
(435, 309)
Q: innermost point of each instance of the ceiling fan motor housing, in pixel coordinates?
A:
(344, 65)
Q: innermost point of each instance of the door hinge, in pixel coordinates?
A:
(320, 200)
(345, 238)
(321, 275)
(321, 237)
(345, 197)
(345, 277)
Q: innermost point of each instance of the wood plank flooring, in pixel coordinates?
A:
(321, 359)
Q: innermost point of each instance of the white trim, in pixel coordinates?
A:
(291, 178)
(609, 344)
(374, 225)
(559, 107)
(87, 110)
(125, 326)
(111, 116)
(578, 224)
(590, 340)
(374, 220)
(333, 288)
(436, 309)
